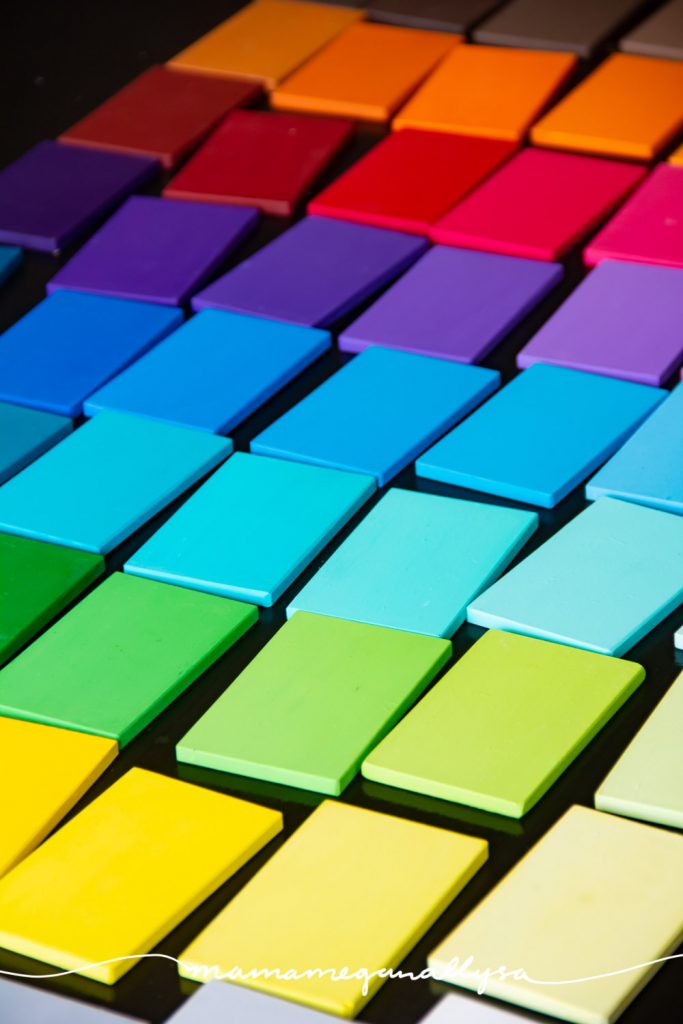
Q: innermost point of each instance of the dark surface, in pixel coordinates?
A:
(60, 60)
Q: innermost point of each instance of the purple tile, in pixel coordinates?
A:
(160, 250)
(453, 304)
(624, 320)
(314, 273)
(53, 193)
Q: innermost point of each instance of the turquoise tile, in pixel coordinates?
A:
(602, 582)
(252, 528)
(541, 435)
(98, 485)
(416, 561)
(25, 434)
(649, 467)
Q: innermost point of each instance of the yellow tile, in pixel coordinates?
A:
(351, 888)
(629, 106)
(45, 772)
(365, 73)
(597, 895)
(125, 871)
(266, 40)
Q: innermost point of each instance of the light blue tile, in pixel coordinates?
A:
(10, 261)
(649, 467)
(252, 528)
(223, 1003)
(31, 1004)
(71, 343)
(102, 482)
(214, 371)
(415, 562)
(541, 435)
(602, 582)
(378, 412)
(25, 434)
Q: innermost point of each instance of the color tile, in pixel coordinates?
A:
(25, 434)
(10, 261)
(50, 770)
(70, 344)
(596, 895)
(252, 528)
(677, 157)
(54, 193)
(660, 35)
(367, 72)
(38, 581)
(538, 205)
(29, 1002)
(453, 304)
(648, 469)
(220, 1001)
(120, 657)
(646, 782)
(579, 26)
(440, 15)
(472, 1009)
(529, 444)
(416, 561)
(629, 106)
(161, 114)
(410, 178)
(173, 845)
(265, 41)
(624, 320)
(101, 483)
(646, 228)
(498, 698)
(262, 159)
(213, 372)
(678, 639)
(313, 702)
(485, 90)
(328, 897)
(159, 250)
(377, 413)
(602, 582)
(314, 273)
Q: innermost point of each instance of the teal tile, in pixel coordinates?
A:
(252, 528)
(602, 582)
(416, 561)
(10, 261)
(25, 434)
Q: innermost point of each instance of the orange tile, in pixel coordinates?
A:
(677, 157)
(487, 90)
(629, 106)
(266, 40)
(367, 72)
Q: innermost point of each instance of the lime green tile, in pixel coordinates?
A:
(504, 723)
(37, 580)
(117, 659)
(314, 701)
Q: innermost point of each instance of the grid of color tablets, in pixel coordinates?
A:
(341, 525)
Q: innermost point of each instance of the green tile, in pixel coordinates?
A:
(314, 700)
(504, 723)
(37, 580)
(117, 659)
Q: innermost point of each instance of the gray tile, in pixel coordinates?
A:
(660, 35)
(436, 15)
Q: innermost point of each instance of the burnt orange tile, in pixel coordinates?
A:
(367, 72)
(487, 90)
(629, 106)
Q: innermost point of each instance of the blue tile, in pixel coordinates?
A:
(541, 435)
(25, 434)
(102, 482)
(649, 467)
(252, 528)
(71, 343)
(10, 261)
(378, 412)
(213, 372)
(416, 561)
(601, 583)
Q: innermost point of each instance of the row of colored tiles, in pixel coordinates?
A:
(320, 925)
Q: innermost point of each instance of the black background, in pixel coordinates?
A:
(59, 60)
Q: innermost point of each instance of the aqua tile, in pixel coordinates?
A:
(25, 434)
